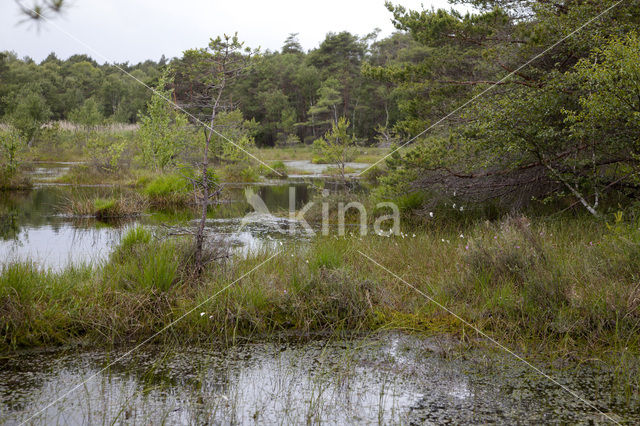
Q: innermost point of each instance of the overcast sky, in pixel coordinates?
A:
(135, 30)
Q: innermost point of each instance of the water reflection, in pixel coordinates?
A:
(32, 227)
(386, 379)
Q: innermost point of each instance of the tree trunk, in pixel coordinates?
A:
(205, 205)
(205, 183)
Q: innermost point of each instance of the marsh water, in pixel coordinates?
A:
(33, 227)
(385, 378)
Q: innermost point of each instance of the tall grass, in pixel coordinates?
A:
(567, 285)
(104, 208)
(168, 190)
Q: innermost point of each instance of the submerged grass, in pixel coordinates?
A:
(565, 285)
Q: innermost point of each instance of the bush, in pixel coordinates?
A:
(10, 146)
(410, 201)
(106, 150)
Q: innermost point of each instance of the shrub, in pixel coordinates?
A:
(106, 150)
(410, 201)
(10, 146)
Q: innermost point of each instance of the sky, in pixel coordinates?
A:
(136, 30)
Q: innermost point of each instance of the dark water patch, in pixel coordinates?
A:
(389, 379)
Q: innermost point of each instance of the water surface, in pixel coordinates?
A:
(32, 227)
(388, 378)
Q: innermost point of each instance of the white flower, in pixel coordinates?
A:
(461, 208)
(431, 214)
(414, 235)
(461, 235)
(201, 314)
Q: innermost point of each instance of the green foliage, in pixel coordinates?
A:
(163, 129)
(137, 235)
(373, 175)
(166, 184)
(144, 265)
(278, 170)
(241, 172)
(325, 110)
(65, 86)
(326, 255)
(172, 189)
(88, 114)
(10, 145)
(337, 146)
(29, 113)
(106, 150)
(410, 201)
(235, 128)
(103, 206)
(564, 125)
(609, 114)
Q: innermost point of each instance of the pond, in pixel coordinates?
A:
(33, 229)
(305, 168)
(386, 378)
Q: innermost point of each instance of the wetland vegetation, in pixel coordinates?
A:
(189, 253)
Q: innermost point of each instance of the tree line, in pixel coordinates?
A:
(292, 95)
(521, 99)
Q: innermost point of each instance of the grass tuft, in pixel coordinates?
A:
(168, 190)
(123, 206)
